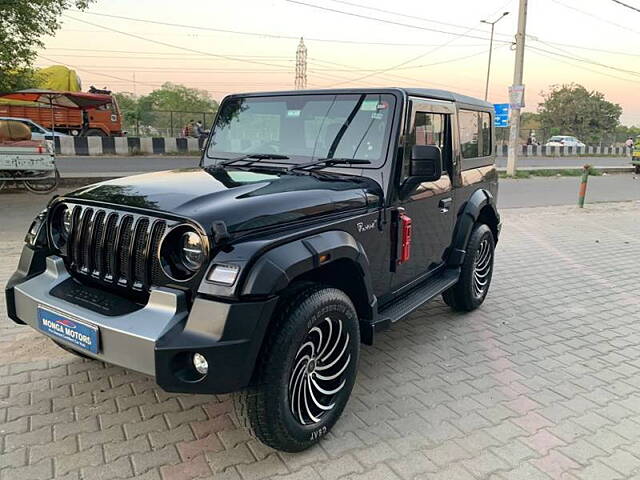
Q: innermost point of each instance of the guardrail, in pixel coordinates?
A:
(125, 145)
(163, 145)
(544, 151)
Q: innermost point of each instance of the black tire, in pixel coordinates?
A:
(475, 276)
(270, 409)
(94, 132)
(44, 186)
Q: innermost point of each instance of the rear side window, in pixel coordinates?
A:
(475, 134)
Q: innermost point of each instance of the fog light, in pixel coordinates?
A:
(200, 363)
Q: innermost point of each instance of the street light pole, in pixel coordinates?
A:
(493, 25)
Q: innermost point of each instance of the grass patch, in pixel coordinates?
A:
(567, 172)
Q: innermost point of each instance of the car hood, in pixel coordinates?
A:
(243, 200)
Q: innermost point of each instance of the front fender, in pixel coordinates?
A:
(275, 269)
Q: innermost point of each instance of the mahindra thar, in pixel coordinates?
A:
(315, 220)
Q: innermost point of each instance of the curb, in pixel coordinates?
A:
(79, 179)
(607, 169)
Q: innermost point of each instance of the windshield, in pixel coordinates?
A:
(304, 127)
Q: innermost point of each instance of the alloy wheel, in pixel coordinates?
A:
(482, 267)
(318, 373)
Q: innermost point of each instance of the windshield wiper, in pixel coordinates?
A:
(255, 157)
(329, 162)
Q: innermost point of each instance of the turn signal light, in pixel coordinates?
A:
(224, 274)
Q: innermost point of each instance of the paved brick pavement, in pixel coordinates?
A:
(542, 382)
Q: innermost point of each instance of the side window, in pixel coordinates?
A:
(475, 134)
(469, 133)
(428, 129)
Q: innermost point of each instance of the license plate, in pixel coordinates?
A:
(77, 333)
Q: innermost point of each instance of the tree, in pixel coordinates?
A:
(136, 111)
(23, 23)
(179, 98)
(173, 105)
(165, 110)
(573, 110)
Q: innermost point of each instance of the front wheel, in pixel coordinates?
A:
(305, 372)
(475, 275)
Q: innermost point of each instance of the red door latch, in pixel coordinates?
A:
(405, 236)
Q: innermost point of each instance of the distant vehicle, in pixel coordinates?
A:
(103, 121)
(38, 132)
(564, 141)
(25, 159)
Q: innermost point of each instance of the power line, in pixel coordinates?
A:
(554, 56)
(597, 17)
(626, 5)
(170, 45)
(588, 61)
(336, 40)
(282, 57)
(399, 14)
(391, 22)
(262, 34)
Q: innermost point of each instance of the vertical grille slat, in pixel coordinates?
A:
(75, 235)
(124, 254)
(85, 241)
(115, 248)
(97, 243)
(139, 254)
(158, 230)
(110, 246)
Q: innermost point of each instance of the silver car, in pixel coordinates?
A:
(38, 132)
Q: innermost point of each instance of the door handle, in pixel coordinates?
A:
(445, 204)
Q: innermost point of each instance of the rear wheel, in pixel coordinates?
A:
(305, 372)
(43, 186)
(95, 132)
(475, 275)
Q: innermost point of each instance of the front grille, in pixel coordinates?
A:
(115, 248)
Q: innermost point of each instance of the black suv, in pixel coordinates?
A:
(315, 220)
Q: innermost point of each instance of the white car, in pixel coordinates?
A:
(38, 132)
(564, 141)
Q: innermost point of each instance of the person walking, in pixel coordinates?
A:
(200, 133)
(629, 144)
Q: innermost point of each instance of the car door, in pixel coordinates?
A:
(429, 204)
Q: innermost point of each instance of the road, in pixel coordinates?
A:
(532, 192)
(541, 382)
(79, 165)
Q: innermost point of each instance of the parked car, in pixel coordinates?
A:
(315, 220)
(564, 141)
(38, 132)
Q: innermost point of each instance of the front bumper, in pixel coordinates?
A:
(159, 338)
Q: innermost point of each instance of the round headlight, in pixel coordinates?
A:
(192, 251)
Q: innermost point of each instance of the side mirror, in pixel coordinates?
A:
(426, 163)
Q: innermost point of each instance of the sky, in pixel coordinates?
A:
(419, 43)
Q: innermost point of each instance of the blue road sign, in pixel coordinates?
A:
(502, 114)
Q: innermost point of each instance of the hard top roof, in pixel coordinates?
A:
(417, 92)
